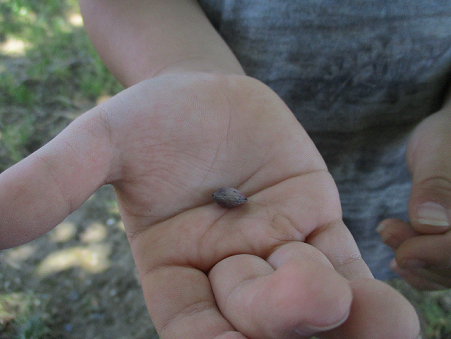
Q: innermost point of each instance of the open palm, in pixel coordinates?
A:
(281, 266)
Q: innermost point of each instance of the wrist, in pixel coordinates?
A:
(141, 39)
(198, 65)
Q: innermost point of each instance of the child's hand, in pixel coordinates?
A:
(283, 265)
(423, 247)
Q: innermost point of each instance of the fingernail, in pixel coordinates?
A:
(394, 265)
(387, 238)
(431, 213)
(380, 227)
(309, 330)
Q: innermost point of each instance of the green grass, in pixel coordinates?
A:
(438, 321)
(57, 70)
(434, 309)
(59, 58)
(22, 317)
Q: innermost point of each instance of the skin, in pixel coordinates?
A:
(423, 251)
(283, 265)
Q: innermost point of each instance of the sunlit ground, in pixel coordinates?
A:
(91, 253)
(79, 279)
(13, 47)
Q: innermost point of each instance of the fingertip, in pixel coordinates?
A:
(324, 301)
(394, 232)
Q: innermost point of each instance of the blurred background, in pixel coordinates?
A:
(79, 280)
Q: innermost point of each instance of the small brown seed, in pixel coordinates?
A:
(229, 197)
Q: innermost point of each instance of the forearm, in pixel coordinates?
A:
(138, 39)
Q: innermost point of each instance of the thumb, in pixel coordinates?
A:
(429, 161)
(40, 191)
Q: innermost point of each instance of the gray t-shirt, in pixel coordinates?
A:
(359, 75)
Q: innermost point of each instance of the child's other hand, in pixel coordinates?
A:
(423, 246)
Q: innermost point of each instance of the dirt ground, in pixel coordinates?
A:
(83, 274)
